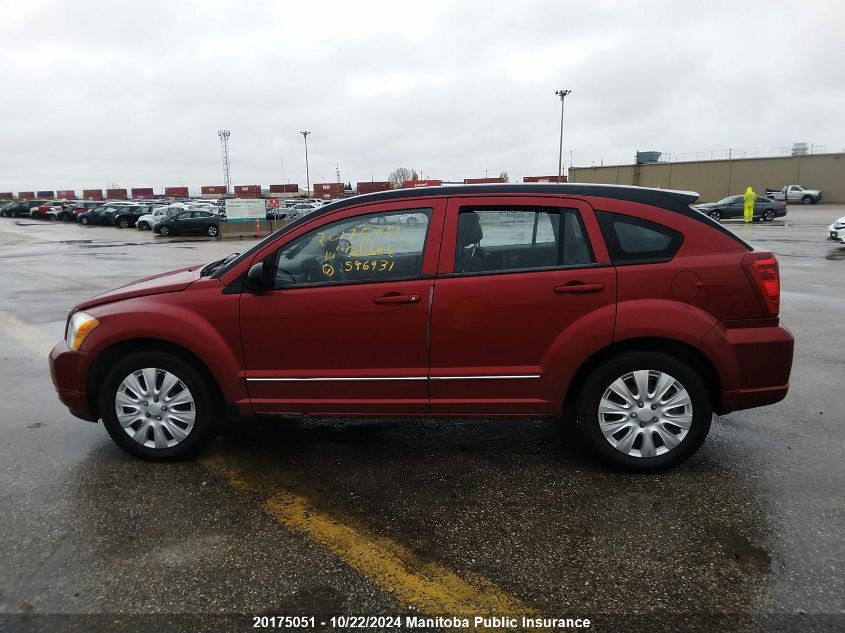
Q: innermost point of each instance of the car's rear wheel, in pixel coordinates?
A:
(768, 215)
(158, 407)
(212, 231)
(645, 411)
(83, 220)
(164, 231)
(143, 226)
(716, 215)
(123, 223)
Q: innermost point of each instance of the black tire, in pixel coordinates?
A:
(164, 231)
(602, 377)
(716, 215)
(768, 215)
(807, 200)
(83, 220)
(205, 423)
(65, 216)
(143, 226)
(123, 223)
(212, 230)
(381, 220)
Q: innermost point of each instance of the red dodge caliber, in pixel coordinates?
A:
(619, 307)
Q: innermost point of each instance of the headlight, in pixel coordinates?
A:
(80, 325)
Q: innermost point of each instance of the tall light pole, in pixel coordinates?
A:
(283, 169)
(305, 134)
(562, 94)
(224, 145)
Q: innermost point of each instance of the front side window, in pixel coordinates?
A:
(499, 239)
(366, 248)
(632, 240)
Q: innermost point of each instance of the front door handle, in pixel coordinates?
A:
(397, 298)
(576, 287)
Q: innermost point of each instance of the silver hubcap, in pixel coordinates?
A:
(645, 413)
(155, 408)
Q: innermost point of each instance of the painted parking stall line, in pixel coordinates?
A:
(431, 587)
(30, 337)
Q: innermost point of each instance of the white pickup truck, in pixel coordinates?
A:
(795, 193)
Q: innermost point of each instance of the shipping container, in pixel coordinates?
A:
(66, 194)
(175, 192)
(422, 183)
(45, 193)
(328, 190)
(482, 181)
(26, 195)
(373, 186)
(248, 191)
(6, 195)
(543, 179)
(92, 194)
(116, 194)
(289, 188)
(213, 190)
(143, 193)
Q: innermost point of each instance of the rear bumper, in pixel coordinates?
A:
(754, 364)
(69, 371)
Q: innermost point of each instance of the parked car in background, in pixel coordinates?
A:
(189, 222)
(836, 231)
(795, 193)
(21, 208)
(92, 216)
(603, 304)
(125, 217)
(72, 214)
(733, 207)
(40, 212)
(148, 221)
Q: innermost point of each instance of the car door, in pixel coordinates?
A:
(524, 286)
(735, 208)
(344, 328)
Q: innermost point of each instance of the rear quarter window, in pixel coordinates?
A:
(632, 240)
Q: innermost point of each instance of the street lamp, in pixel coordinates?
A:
(562, 94)
(305, 134)
(283, 168)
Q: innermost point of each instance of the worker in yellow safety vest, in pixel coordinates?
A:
(749, 199)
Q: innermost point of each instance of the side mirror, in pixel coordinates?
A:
(256, 279)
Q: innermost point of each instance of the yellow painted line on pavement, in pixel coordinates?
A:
(431, 587)
(26, 335)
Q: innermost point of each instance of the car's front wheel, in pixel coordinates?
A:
(164, 231)
(212, 230)
(716, 215)
(158, 407)
(645, 411)
(123, 223)
(807, 199)
(83, 220)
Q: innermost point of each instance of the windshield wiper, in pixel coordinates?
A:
(210, 268)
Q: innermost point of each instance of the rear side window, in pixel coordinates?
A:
(500, 239)
(633, 240)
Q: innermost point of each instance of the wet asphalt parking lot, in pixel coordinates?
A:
(413, 517)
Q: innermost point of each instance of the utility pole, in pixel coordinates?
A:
(337, 170)
(562, 94)
(305, 134)
(283, 169)
(224, 146)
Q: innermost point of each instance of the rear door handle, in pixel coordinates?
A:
(576, 287)
(397, 298)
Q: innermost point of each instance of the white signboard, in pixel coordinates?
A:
(245, 209)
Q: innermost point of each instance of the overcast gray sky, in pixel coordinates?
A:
(133, 93)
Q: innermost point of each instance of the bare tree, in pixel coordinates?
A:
(503, 176)
(399, 176)
(414, 175)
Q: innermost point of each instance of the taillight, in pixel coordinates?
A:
(762, 269)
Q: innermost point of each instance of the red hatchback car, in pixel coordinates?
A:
(620, 307)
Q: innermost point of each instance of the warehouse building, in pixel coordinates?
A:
(716, 179)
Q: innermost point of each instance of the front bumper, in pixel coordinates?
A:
(69, 371)
(835, 235)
